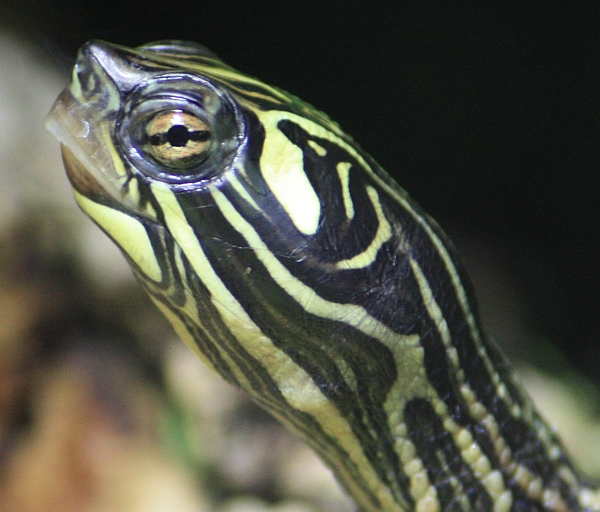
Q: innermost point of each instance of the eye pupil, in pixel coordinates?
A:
(178, 135)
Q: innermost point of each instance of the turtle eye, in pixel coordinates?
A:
(177, 139)
(179, 129)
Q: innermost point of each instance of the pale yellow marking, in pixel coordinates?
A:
(535, 489)
(408, 356)
(115, 156)
(134, 192)
(384, 233)
(316, 305)
(132, 238)
(227, 75)
(252, 94)
(343, 169)
(75, 85)
(127, 233)
(183, 333)
(504, 502)
(282, 166)
(321, 132)
(186, 238)
(318, 131)
(331, 134)
(191, 310)
(519, 473)
(295, 384)
(319, 150)
(231, 74)
(461, 294)
(424, 494)
(428, 503)
(568, 475)
(472, 455)
(100, 74)
(460, 494)
(435, 312)
(239, 188)
(149, 210)
(348, 373)
(351, 314)
(529, 482)
(470, 450)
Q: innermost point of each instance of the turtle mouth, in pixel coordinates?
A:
(81, 179)
(86, 145)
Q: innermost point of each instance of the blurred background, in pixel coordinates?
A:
(488, 115)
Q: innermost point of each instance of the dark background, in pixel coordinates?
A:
(487, 114)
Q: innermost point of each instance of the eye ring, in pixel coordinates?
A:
(179, 129)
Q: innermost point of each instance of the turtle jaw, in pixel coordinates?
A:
(91, 161)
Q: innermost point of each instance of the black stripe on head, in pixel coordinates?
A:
(265, 390)
(388, 290)
(520, 436)
(307, 338)
(338, 237)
